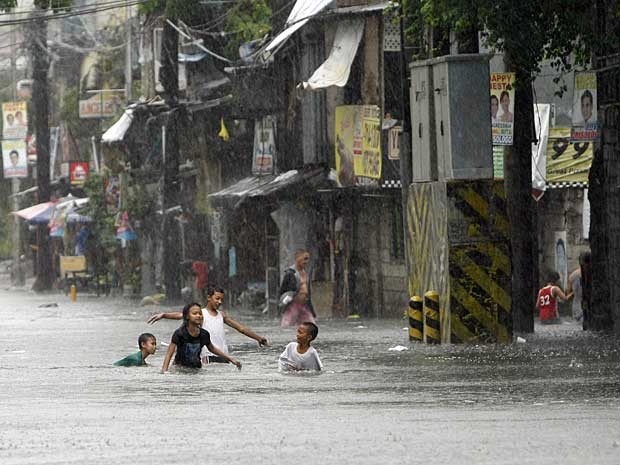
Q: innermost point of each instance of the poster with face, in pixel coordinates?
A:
(14, 120)
(585, 126)
(502, 107)
(14, 159)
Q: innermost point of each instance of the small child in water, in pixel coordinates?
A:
(148, 346)
(189, 339)
(548, 297)
(300, 355)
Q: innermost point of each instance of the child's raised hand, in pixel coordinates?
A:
(154, 318)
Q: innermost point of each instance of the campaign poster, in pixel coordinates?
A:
(78, 172)
(14, 120)
(358, 145)
(14, 158)
(264, 146)
(502, 107)
(585, 126)
(568, 162)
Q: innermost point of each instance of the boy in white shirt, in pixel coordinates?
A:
(299, 355)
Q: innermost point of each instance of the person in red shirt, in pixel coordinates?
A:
(547, 301)
(201, 271)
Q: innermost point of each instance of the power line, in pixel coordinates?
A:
(46, 16)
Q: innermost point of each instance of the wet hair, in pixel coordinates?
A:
(145, 337)
(553, 277)
(187, 308)
(503, 94)
(312, 329)
(212, 290)
(585, 258)
(587, 94)
(300, 252)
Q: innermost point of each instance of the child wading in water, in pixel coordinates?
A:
(189, 339)
(148, 346)
(299, 355)
(547, 301)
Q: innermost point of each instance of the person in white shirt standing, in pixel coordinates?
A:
(213, 321)
(300, 355)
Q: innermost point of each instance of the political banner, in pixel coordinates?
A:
(14, 120)
(14, 158)
(502, 107)
(358, 145)
(264, 146)
(585, 125)
(568, 162)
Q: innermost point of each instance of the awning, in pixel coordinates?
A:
(262, 186)
(301, 13)
(336, 69)
(117, 131)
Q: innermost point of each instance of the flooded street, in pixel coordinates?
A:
(553, 399)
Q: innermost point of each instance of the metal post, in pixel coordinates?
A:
(415, 319)
(431, 318)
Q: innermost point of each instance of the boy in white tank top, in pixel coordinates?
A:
(213, 322)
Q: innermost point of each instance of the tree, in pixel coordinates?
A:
(526, 32)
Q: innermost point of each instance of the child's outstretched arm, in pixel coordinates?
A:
(171, 350)
(166, 316)
(214, 350)
(245, 330)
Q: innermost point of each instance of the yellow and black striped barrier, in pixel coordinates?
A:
(416, 319)
(431, 318)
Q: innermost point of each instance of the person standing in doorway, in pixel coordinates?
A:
(295, 301)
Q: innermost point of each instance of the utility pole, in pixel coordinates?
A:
(128, 70)
(40, 102)
(169, 77)
(17, 275)
(518, 184)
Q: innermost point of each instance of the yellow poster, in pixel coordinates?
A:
(567, 162)
(358, 144)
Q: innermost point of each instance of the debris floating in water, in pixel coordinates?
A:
(520, 340)
(398, 348)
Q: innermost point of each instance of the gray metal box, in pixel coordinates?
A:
(462, 116)
(423, 146)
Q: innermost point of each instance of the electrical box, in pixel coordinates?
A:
(462, 116)
(423, 146)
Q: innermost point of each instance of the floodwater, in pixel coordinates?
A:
(554, 399)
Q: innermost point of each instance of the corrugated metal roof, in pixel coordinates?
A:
(262, 186)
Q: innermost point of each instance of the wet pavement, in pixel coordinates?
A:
(553, 399)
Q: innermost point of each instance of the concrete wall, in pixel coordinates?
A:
(385, 275)
(561, 210)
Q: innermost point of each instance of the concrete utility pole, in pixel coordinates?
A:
(17, 275)
(40, 106)
(169, 78)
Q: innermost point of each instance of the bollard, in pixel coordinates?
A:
(73, 293)
(431, 318)
(415, 319)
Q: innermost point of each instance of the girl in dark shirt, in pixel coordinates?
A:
(189, 339)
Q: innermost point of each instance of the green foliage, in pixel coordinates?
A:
(69, 113)
(247, 20)
(103, 221)
(528, 31)
(7, 4)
